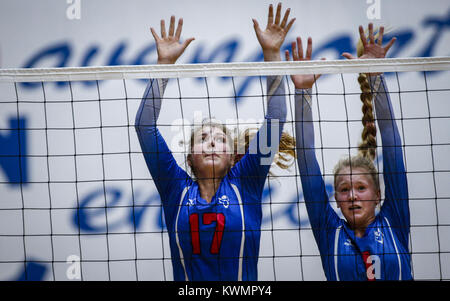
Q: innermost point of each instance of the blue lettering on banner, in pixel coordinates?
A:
(439, 25)
(33, 271)
(92, 206)
(227, 51)
(13, 150)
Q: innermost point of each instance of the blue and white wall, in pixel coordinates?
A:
(51, 33)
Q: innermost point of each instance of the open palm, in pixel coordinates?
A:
(272, 38)
(302, 81)
(168, 46)
(372, 49)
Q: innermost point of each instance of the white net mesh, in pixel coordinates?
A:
(78, 202)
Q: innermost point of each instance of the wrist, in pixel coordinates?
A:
(303, 86)
(303, 90)
(271, 55)
(163, 61)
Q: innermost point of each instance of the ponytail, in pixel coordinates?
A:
(367, 148)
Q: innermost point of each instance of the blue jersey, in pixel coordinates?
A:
(217, 240)
(382, 253)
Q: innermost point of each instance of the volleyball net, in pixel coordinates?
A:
(77, 201)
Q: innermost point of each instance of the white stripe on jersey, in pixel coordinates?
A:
(176, 233)
(336, 245)
(241, 251)
(396, 251)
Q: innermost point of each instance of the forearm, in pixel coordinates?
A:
(149, 109)
(384, 112)
(276, 99)
(304, 131)
(304, 126)
(267, 140)
(396, 203)
(313, 186)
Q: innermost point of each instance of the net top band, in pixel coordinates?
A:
(225, 69)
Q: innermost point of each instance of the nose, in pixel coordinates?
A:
(209, 145)
(352, 196)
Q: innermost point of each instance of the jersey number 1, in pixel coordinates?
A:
(208, 218)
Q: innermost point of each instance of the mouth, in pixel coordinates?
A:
(355, 208)
(212, 156)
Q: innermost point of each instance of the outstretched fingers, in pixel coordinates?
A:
(348, 56)
(288, 27)
(179, 29)
(283, 23)
(371, 38)
(270, 17)
(300, 49)
(172, 26)
(187, 42)
(287, 55)
(362, 36)
(163, 29)
(285, 18)
(380, 35)
(155, 35)
(389, 45)
(297, 53)
(309, 49)
(297, 50)
(278, 14)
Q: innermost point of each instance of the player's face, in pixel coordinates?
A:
(211, 152)
(356, 196)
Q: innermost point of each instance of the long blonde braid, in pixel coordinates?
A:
(368, 146)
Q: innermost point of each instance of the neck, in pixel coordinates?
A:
(208, 187)
(360, 229)
(359, 232)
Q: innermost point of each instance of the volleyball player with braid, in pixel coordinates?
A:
(214, 216)
(364, 245)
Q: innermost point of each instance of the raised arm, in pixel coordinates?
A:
(396, 202)
(255, 165)
(395, 205)
(162, 166)
(321, 214)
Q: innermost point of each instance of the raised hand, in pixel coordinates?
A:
(302, 81)
(271, 39)
(168, 46)
(372, 49)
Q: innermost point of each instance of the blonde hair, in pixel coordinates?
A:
(241, 141)
(286, 149)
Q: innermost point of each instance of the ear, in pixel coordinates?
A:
(337, 202)
(378, 198)
(232, 159)
(189, 160)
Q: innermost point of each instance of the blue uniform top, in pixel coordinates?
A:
(217, 240)
(382, 253)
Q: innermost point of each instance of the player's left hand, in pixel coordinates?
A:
(372, 49)
(272, 38)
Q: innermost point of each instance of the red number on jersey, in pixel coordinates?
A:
(208, 218)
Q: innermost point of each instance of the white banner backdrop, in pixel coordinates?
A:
(109, 170)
